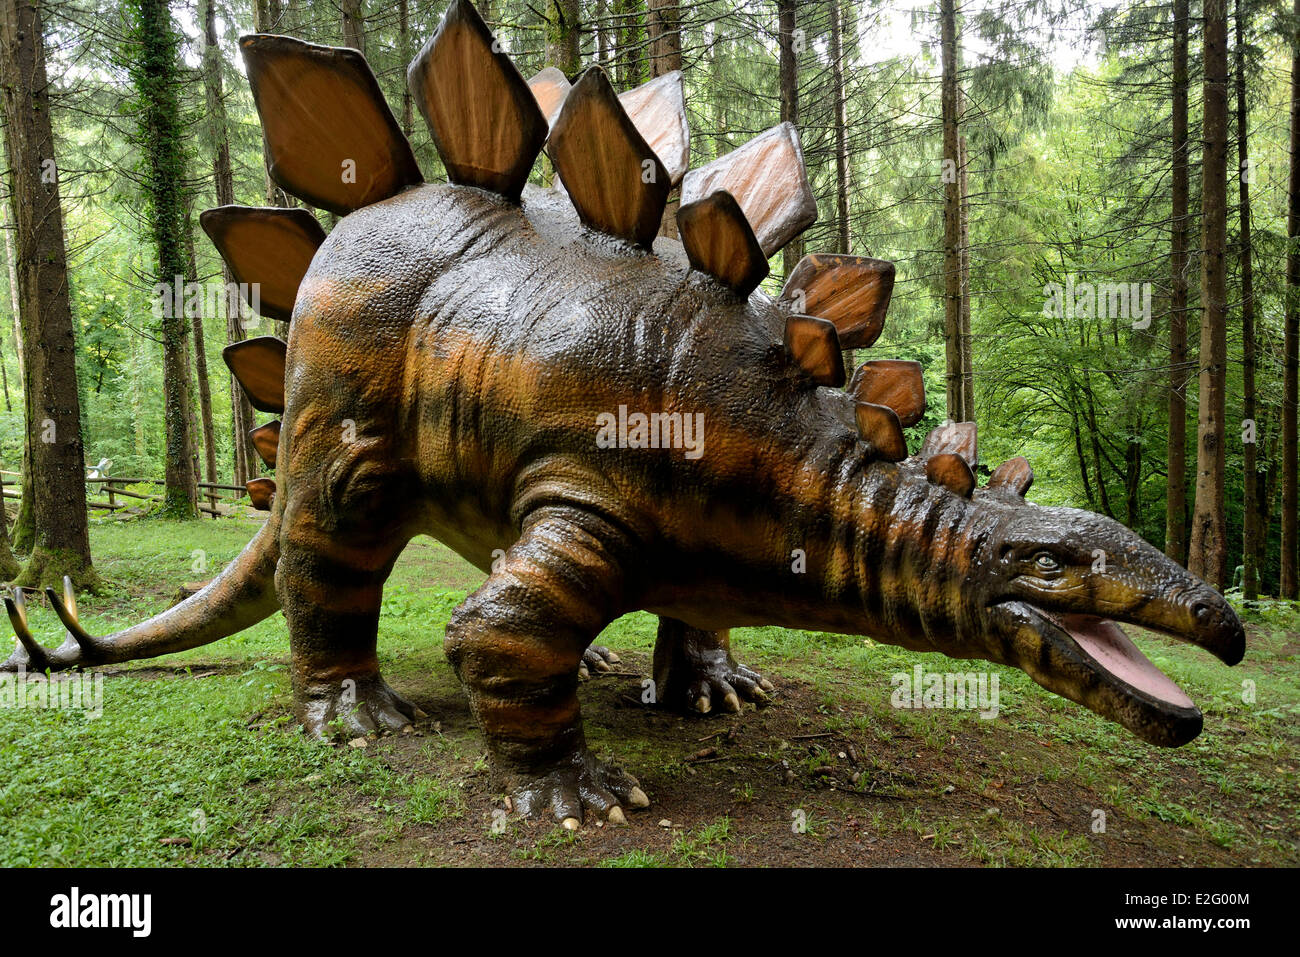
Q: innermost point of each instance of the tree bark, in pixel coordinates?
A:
(241, 410)
(664, 30)
(201, 366)
(1250, 531)
(1208, 553)
(790, 40)
(1290, 582)
(951, 214)
(56, 474)
(563, 21)
(266, 19)
(11, 263)
(404, 43)
(154, 72)
(964, 341)
(844, 242)
(1176, 450)
(354, 25)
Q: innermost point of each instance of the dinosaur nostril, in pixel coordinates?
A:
(1202, 612)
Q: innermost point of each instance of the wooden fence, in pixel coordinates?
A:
(110, 488)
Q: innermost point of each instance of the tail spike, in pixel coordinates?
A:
(66, 609)
(330, 137)
(815, 346)
(268, 249)
(16, 606)
(718, 241)
(851, 291)
(768, 179)
(952, 472)
(896, 383)
(879, 426)
(258, 365)
(1014, 475)
(616, 182)
(485, 121)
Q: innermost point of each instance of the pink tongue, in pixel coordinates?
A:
(1112, 649)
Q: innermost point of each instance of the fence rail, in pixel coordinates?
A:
(113, 486)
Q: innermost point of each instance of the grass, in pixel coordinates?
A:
(196, 760)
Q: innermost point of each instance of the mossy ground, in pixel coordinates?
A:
(196, 759)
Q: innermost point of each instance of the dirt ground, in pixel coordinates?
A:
(767, 788)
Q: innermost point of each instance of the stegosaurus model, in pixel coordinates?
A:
(606, 421)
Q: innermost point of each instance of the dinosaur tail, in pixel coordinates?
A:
(241, 596)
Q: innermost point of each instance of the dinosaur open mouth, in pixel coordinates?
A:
(1114, 652)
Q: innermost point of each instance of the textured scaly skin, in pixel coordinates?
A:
(448, 359)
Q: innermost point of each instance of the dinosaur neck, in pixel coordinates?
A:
(887, 557)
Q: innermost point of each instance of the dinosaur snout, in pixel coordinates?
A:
(1216, 627)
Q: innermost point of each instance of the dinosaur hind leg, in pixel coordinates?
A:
(516, 644)
(694, 670)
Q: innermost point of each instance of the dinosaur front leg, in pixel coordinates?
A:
(694, 668)
(333, 587)
(516, 644)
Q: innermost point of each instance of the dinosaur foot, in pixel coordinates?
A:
(581, 785)
(597, 658)
(355, 707)
(712, 681)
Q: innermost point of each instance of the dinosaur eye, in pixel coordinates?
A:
(1045, 562)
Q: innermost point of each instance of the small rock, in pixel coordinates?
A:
(358, 743)
(408, 729)
(176, 841)
(949, 789)
(312, 777)
(665, 823)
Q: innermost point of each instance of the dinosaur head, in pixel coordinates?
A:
(1055, 586)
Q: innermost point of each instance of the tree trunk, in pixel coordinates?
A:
(154, 72)
(201, 368)
(9, 566)
(664, 30)
(790, 40)
(1208, 552)
(354, 25)
(404, 43)
(951, 214)
(1250, 531)
(11, 263)
(55, 482)
(1176, 481)
(843, 241)
(603, 30)
(1290, 583)
(964, 340)
(562, 36)
(241, 417)
(266, 19)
